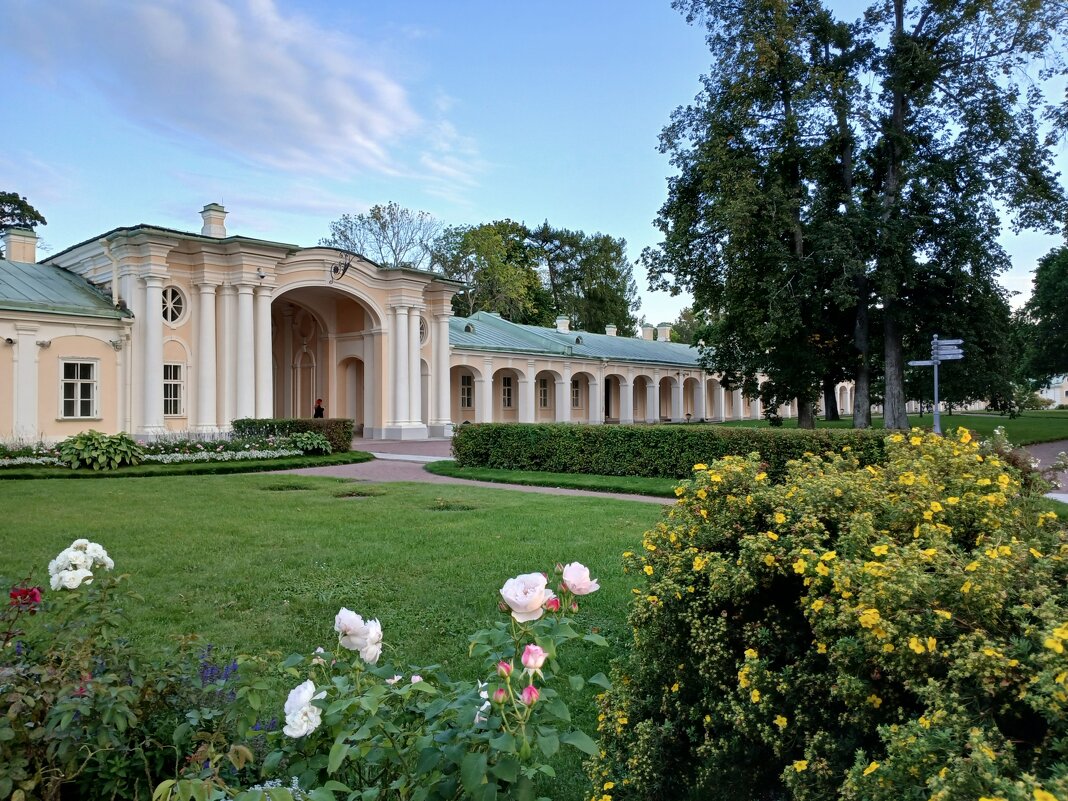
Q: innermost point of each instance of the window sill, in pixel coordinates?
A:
(78, 419)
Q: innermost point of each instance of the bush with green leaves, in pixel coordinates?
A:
(376, 731)
(338, 430)
(880, 632)
(663, 451)
(308, 442)
(100, 451)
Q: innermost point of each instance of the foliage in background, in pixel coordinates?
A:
(337, 430)
(667, 451)
(100, 451)
(1047, 312)
(871, 632)
(390, 235)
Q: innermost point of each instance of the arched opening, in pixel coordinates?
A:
(645, 406)
(545, 396)
(580, 397)
(670, 399)
(506, 398)
(464, 401)
(351, 392)
(304, 384)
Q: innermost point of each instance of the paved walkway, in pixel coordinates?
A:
(403, 460)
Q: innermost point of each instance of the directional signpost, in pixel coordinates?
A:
(942, 350)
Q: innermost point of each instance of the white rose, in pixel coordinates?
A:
(525, 596)
(577, 579)
(80, 544)
(352, 631)
(370, 653)
(302, 717)
(71, 579)
(372, 646)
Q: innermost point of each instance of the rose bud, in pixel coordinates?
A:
(533, 657)
(559, 567)
(504, 669)
(552, 605)
(574, 606)
(500, 695)
(530, 695)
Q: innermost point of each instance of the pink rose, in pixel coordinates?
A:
(552, 605)
(526, 596)
(577, 579)
(533, 658)
(500, 695)
(504, 669)
(530, 695)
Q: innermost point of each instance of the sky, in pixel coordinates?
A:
(294, 112)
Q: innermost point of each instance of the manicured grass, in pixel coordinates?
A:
(633, 485)
(263, 562)
(149, 469)
(1030, 428)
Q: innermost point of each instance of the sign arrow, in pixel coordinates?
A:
(937, 341)
(949, 357)
(921, 364)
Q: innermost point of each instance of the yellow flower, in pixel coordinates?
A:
(800, 765)
(769, 560)
(869, 617)
(1042, 795)
(675, 687)
(964, 435)
(648, 570)
(750, 653)
(761, 476)
(700, 467)
(822, 568)
(888, 647)
(880, 550)
(715, 477)
(680, 491)
(755, 696)
(830, 556)
(907, 478)
(699, 563)
(1036, 554)
(821, 648)
(772, 536)
(609, 785)
(780, 721)
(966, 587)
(701, 494)
(936, 506)
(953, 500)
(915, 440)
(800, 565)
(1003, 480)
(780, 518)
(817, 605)
(1054, 645)
(897, 438)
(627, 554)
(874, 766)
(916, 645)
(622, 721)
(943, 613)
(932, 644)
(875, 700)
(983, 482)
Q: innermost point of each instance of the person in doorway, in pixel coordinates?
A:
(319, 410)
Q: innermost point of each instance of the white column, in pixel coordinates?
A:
(400, 364)
(652, 400)
(563, 396)
(755, 406)
(206, 360)
(415, 371)
(441, 419)
(700, 397)
(287, 362)
(152, 339)
(626, 400)
(262, 354)
(246, 353)
(721, 402)
(596, 401)
(527, 394)
(676, 400)
(24, 378)
(227, 346)
(739, 406)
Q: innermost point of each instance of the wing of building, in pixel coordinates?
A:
(148, 329)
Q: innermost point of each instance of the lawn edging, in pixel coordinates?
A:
(190, 468)
(631, 485)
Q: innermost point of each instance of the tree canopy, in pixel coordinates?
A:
(1047, 311)
(389, 235)
(16, 212)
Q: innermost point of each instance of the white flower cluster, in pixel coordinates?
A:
(218, 456)
(276, 784)
(357, 635)
(302, 716)
(16, 461)
(74, 565)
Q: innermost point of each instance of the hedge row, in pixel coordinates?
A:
(664, 451)
(336, 429)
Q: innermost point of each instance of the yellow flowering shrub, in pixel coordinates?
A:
(854, 631)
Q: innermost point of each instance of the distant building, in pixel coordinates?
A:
(1057, 391)
(152, 330)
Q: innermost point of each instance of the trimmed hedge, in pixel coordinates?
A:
(664, 451)
(336, 429)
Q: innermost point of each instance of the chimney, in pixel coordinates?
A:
(214, 217)
(563, 324)
(647, 331)
(610, 330)
(663, 332)
(20, 244)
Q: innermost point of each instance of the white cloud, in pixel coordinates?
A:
(243, 79)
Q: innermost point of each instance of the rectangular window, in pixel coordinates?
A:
(543, 393)
(576, 394)
(506, 392)
(79, 390)
(173, 390)
(467, 392)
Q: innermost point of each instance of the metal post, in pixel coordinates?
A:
(934, 358)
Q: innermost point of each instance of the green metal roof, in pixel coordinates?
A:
(51, 290)
(493, 333)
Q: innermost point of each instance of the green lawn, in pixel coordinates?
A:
(633, 485)
(1031, 427)
(257, 562)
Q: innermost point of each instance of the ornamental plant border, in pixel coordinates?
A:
(665, 451)
(338, 430)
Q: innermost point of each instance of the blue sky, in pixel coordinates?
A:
(292, 113)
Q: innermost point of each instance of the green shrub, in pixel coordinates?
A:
(856, 632)
(665, 451)
(337, 430)
(309, 442)
(100, 451)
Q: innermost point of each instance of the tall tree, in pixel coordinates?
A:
(1047, 311)
(16, 212)
(389, 235)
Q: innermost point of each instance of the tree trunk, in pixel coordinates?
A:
(806, 415)
(894, 414)
(862, 342)
(830, 400)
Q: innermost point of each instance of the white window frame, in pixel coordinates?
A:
(171, 292)
(178, 384)
(467, 391)
(576, 394)
(506, 392)
(543, 393)
(94, 389)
